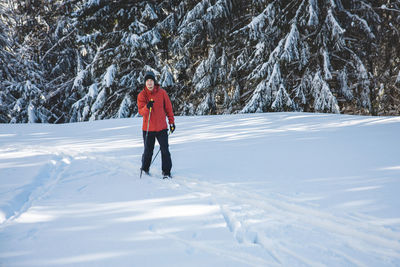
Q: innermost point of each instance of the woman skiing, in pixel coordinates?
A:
(154, 105)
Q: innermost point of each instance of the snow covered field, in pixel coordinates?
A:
(276, 189)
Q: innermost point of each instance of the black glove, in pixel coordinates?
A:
(150, 104)
(172, 127)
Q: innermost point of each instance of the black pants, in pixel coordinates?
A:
(162, 138)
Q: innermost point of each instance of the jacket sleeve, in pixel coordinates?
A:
(142, 105)
(168, 108)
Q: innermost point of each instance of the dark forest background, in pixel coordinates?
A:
(79, 60)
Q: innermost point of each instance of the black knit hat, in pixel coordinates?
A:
(150, 75)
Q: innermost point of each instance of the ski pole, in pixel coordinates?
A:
(145, 139)
(158, 151)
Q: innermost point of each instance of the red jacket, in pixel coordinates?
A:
(162, 108)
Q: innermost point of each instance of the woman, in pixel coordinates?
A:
(154, 105)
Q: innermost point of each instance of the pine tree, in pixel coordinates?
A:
(23, 88)
(85, 59)
(6, 70)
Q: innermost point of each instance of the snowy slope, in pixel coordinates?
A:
(277, 189)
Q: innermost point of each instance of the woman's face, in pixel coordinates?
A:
(150, 84)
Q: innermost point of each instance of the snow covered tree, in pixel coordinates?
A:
(324, 99)
(22, 89)
(326, 37)
(37, 53)
(6, 70)
(84, 59)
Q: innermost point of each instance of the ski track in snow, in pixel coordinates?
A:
(52, 173)
(369, 238)
(117, 166)
(246, 218)
(47, 178)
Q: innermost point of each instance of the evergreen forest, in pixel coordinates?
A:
(80, 60)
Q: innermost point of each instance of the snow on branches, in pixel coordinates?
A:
(213, 56)
(324, 100)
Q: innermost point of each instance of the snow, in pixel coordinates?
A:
(31, 113)
(336, 30)
(98, 104)
(266, 189)
(79, 78)
(91, 3)
(109, 76)
(167, 79)
(124, 111)
(327, 66)
(324, 99)
(291, 52)
(149, 13)
(313, 13)
(398, 78)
